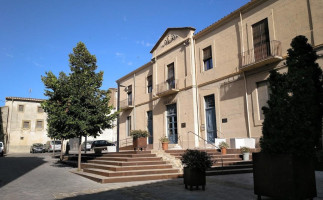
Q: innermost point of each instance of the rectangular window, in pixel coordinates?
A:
(128, 125)
(129, 92)
(149, 84)
(39, 124)
(207, 58)
(171, 76)
(261, 40)
(25, 124)
(263, 97)
(40, 109)
(21, 108)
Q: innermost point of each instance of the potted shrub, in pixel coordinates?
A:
(245, 152)
(223, 146)
(291, 128)
(195, 164)
(164, 140)
(139, 139)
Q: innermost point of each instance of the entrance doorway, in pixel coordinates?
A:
(172, 123)
(210, 118)
(150, 126)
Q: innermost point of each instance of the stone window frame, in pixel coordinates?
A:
(23, 108)
(23, 122)
(39, 128)
(40, 109)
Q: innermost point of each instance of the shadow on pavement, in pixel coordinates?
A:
(12, 168)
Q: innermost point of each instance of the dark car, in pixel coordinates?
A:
(37, 148)
(101, 143)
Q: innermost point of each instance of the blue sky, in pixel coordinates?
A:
(36, 36)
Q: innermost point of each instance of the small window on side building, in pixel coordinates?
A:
(40, 109)
(25, 124)
(39, 124)
(21, 108)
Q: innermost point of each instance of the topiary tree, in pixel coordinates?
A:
(293, 118)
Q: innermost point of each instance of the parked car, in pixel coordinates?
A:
(88, 145)
(101, 143)
(37, 148)
(1, 148)
(49, 146)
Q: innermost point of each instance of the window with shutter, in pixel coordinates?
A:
(261, 40)
(207, 58)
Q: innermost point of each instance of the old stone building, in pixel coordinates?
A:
(210, 86)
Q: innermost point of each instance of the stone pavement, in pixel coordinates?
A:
(38, 176)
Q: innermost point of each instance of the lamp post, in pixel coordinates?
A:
(118, 122)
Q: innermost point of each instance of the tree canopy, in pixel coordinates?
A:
(76, 105)
(293, 118)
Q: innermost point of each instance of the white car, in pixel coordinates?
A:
(49, 146)
(1, 148)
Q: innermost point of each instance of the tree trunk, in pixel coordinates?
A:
(79, 155)
(54, 148)
(61, 156)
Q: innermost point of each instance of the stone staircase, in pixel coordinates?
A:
(231, 163)
(128, 166)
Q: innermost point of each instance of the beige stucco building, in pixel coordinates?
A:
(24, 123)
(211, 85)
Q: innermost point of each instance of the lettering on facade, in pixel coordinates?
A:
(170, 38)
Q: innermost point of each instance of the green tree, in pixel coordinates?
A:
(85, 105)
(293, 119)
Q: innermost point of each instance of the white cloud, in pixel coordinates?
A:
(37, 64)
(144, 43)
(129, 63)
(9, 55)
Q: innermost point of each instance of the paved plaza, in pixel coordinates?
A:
(39, 176)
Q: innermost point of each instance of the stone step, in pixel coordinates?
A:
(229, 171)
(108, 173)
(230, 163)
(124, 168)
(129, 159)
(241, 166)
(118, 163)
(127, 155)
(103, 179)
(220, 160)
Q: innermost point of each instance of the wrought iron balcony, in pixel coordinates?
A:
(167, 88)
(261, 55)
(126, 104)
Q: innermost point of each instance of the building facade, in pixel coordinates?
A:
(210, 86)
(24, 123)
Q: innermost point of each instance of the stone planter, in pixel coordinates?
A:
(245, 156)
(140, 144)
(194, 177)
(283, 176)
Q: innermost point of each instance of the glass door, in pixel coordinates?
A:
(150, 126)
(172, 123)
(210, 118)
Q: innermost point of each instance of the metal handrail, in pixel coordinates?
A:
(203, 139)
(125, 141)
(209, 143)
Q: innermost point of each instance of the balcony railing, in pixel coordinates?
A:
(261, 55)
(168, 87)
(126, 104)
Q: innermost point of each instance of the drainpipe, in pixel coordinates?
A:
(118, 122)
(195, 96)
(247, 104)
(245, 81)
(134, 101)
